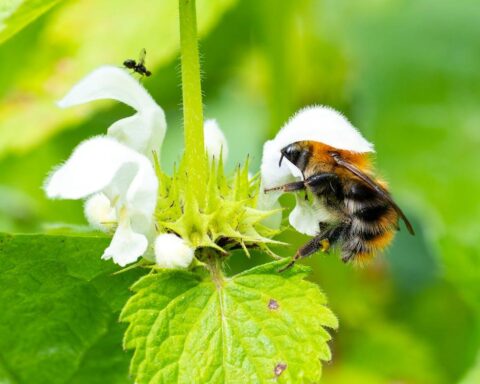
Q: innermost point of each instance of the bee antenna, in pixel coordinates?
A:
(281, 159)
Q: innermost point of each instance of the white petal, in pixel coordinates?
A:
(143, 131)
(100, 213)
(306, 216)
(94, 164)
(266, 202)
(102, 164)
(215, 141)
(108, 82)
(274, 175)
(172, 251)
(126, 246)
(325, 125)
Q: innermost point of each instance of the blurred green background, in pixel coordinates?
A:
(406, 72)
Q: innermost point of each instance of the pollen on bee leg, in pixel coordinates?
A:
(325, 243)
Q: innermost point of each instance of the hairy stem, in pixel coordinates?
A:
(192, 100)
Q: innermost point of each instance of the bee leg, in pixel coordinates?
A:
(312, 246)
(347, 253)
(322, 242)
(318, 243)
(322, 183)
(290, 187)
(288, 266)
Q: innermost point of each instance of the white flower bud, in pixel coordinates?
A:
(172, 251)
(215, 141)
(100, 213)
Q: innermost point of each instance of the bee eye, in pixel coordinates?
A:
(291, 152)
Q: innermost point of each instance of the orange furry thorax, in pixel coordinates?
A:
(322, 160)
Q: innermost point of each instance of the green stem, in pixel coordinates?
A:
(213, 263)
(192, 101)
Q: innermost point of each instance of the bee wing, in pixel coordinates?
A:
(377, 187)
(141, 57)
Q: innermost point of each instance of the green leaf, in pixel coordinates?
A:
(66, 49)
(17, 14)
(59, 306)
(256, 326)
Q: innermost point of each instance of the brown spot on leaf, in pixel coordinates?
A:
(279, 368)
(273, 304)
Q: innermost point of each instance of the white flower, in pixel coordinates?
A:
(145, 130)
(126, 178)
(215, 141)
(100, 213)
(316, 123)
(172, 251)
(306, 216)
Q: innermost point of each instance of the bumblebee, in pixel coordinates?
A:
(362, 216)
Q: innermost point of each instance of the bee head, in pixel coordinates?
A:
(297, 154)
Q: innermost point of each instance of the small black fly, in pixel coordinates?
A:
(138, 67)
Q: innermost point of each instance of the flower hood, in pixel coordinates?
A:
(145, 130)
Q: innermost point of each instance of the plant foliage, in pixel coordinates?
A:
(256, 326)
(59, 306)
